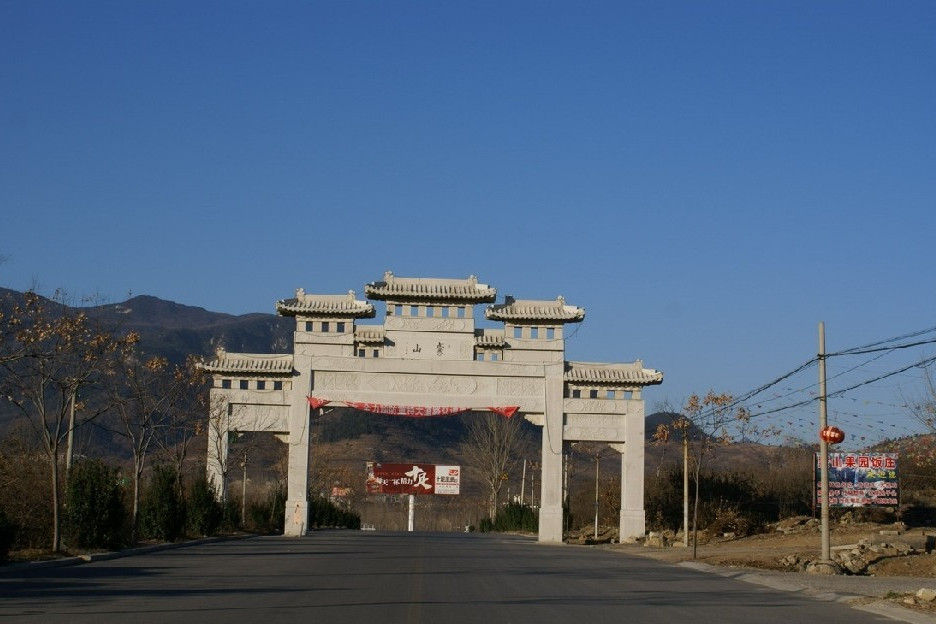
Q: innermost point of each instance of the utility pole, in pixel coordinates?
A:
(70, 444)
(523, 483)
(823, 450)
(685, 488)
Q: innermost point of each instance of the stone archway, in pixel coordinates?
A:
(428, 353)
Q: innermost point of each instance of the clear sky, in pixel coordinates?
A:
(709, 180)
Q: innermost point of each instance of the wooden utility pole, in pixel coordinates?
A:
(823, 450)
(685, 488)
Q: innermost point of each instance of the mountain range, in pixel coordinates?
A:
(175, 331)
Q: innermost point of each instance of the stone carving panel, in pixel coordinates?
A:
(594, 428)
(327, 380)
(427, 324)
(519, 386)
(593, 406)
(422, 384)
(325, 364)
(258, 417)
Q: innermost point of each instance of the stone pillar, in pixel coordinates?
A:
(297, 495)
(550, 512)
(633, 516)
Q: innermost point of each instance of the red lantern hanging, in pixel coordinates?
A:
(832, 435)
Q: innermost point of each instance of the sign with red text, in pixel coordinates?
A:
(384, 478)
(861, 480)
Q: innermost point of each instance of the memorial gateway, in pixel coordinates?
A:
(428, 357)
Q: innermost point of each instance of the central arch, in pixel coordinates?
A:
(429, 354)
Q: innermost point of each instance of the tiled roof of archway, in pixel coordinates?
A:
(368, 335)
(247, 363)
(325, 305)
(527, 310)
(430, 290)
(612, 374)
(491, 340)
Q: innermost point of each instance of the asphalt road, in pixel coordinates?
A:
(398, 578)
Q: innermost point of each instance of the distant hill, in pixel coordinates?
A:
(174, 331)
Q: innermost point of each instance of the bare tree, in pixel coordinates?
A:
(704, 424)
(923, 408)
(226, 423)
(491, 445)
(184, 424)
(60, 352)
(144, 392)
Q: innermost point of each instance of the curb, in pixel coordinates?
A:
(877, 606)
(117, 554)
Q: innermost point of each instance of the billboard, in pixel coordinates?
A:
(384, 478)
(861, 480)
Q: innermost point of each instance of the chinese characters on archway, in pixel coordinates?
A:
(862, 480)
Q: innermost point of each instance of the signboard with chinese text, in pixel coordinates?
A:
(383, 478)
(448, 480)
(861, 480)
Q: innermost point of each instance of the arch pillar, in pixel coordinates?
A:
(550, 512)
(297, 487)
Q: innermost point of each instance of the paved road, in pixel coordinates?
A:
(398, 578)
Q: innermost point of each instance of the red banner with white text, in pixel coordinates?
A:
(412, 411)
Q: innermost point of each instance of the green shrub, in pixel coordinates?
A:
(162, 510)
(94, 507)
(202, 510)
(269, 515)
(516, 517)
(231, 514)
(324, 513)
(7, 535)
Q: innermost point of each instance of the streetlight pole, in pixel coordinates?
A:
(244, 492)
(597, 458)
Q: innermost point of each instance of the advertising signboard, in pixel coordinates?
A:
(861, 480)
(384, 478)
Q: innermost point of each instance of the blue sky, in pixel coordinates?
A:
(708, 179)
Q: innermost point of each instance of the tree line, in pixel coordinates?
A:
(62, 373)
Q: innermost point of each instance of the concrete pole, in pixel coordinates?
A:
(823, 450)
(244, 493)
(412, 512)
(597, 458)
(523, 483)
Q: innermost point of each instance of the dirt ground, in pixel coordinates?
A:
(860, 551)
(870, 549)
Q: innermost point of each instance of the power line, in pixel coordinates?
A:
(878, 343)
(877, 349)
